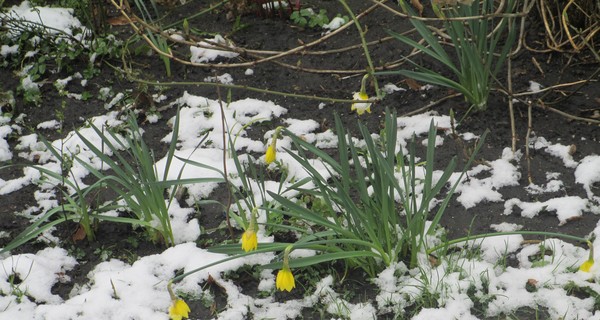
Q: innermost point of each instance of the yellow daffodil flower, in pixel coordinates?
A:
(249, 240)
(271, 154)
(361, 107)
(285, 280)
(589, 263)
(178, 310)
(586, 266)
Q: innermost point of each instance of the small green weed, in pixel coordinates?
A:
(308, 17)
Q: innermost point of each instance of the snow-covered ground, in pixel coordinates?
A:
(118, 290)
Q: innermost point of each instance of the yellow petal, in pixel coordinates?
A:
(270, 154)
(285, 280)
(178, 310)
(586, 266)
(249, 240)
(360, 108)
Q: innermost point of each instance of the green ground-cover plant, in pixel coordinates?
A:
(482, 36)
(41, 51)
(132, 176)
(311, 18)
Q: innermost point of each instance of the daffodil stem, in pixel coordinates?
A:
(365, 46)
(286, 258)
(591, 246)
(277, 133)
(171, 293)
(363, 84)
(253, 222)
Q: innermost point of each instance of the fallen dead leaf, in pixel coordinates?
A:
(118, 21)
(413, 84)
(79, 234)
(417, 4)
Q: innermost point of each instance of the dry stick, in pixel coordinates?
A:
(241, 51)
(556, 86)
(581, 83)
(511, 110)
(390, 65)
(254, 89)
(478, 17)
(555, 44)
(431, 105)
(543, 106)
(566, 25)
(256, 53)
(529, 128)
(225, 174)
(526, 8)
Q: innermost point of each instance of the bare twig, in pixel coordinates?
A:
(511, 111)
(431, 104)
(527, 155)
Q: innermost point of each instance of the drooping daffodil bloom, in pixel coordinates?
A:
(271, 153)
(285, 278)
(178, 309)
(361, 107)
(586, 266)
(589, 263)
(249, 238)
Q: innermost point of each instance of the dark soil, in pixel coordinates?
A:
(259, 33)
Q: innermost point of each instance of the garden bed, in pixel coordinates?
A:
(123, 274)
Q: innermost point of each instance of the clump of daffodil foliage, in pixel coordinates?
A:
(371, 210)
(360, 220)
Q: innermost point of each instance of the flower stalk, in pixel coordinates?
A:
(178, 309)
(365, 46)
